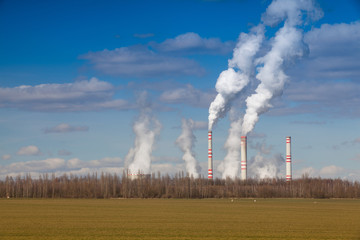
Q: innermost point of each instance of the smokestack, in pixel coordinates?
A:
(243, 157)
(288, 159)
(210, 162)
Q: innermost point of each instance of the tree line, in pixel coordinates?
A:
(106, 185)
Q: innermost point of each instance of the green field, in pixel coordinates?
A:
(179, 219)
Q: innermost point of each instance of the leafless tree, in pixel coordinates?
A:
(108, 185)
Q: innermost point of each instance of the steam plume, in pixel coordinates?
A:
(186, 142)
(262, 166)
(232, 159)
(231, 82)
(286, 46)
(146, 128)
(265, 164)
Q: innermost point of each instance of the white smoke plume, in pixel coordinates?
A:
(265, 164)
(286, 47)
(231, 82)
(146, 128)
(231, 164)
(186, 142)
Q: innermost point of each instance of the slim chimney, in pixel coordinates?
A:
(288, 159)
(210, 162)
(243, 157)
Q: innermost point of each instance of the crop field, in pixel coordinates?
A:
(179, 219)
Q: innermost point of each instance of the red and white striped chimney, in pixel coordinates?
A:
(243, 157)
(210, 161)
(288, 159)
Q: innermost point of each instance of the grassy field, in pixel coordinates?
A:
(179, 219)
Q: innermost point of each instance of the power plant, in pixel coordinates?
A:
(210, 160)
(243, 160)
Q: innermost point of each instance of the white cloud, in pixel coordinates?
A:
(6, 157)
(106, 162)
(64, 128)
(331, 170)
(313, 91)
(334, 53)
(47, 165)
(58, 92)
(78, 96)
(158, 59)
(164, 165)
(76, 163)
(326, 81)
(332, 98)
(192, 43)
(308, 171)
(188, 95)
(85, 171)
(336, 44)
(61, 166)
(31, 150)
(177, 165)
(353, 175)
(140, 61)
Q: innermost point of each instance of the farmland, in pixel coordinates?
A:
(180, 219)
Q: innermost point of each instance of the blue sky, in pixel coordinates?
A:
(70, 74)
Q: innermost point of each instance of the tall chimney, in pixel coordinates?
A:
(210, 162)
(288, 159)
(243, 157)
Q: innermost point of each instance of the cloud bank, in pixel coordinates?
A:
(86, 95)
(140, 61)
(334, 52)
(157, 59)
(326, 81)
(61, 166)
